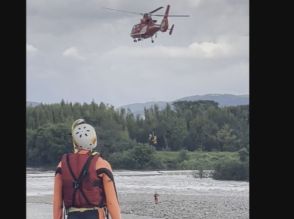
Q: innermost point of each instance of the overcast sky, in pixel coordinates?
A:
(79, 52)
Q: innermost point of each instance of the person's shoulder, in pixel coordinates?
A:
(63, 156)
(102, 163)
(59, 165)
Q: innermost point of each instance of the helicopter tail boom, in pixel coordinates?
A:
(164, 22)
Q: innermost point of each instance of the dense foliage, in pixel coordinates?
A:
(237, 169)
(123, 138)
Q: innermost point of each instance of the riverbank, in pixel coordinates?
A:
(142, 206)
(167, 160)
(181, 195)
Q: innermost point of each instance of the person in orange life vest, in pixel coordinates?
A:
(84, 185)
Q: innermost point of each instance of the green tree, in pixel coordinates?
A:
(227, 139)
(185, 125)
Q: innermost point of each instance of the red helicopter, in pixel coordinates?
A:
(148, 27)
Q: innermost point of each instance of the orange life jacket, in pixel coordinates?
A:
(81, 186)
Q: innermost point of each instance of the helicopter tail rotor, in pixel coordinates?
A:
(171, 29)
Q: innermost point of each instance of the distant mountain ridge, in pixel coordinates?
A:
(221, 99)
(138, 108)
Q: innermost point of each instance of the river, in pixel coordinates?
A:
(40, 183)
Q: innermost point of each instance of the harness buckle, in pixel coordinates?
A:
(76, 184)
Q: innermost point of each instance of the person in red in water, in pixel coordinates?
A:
(156, 198)
(84, 184)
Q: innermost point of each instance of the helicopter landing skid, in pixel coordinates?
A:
(138, 39)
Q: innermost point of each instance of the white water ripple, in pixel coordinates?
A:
(165, 182)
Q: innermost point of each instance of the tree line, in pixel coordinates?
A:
(183, 125)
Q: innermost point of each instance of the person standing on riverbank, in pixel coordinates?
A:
(84, 185)
(156, 197)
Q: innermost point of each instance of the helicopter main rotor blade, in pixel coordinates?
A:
(129, 12)
(171, 15)
(155, 10)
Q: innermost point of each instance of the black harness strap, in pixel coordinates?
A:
(73, 176)
(58, 170)
(106, 171)
(77, 183)
(110, 175)
(85, 197)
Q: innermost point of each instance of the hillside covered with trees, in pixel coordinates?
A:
(188, 126)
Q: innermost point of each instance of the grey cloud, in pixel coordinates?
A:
(113, 69)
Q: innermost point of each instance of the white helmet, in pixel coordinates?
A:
(83, 135)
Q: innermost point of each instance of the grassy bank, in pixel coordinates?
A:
(184, 160)
(169, 160)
